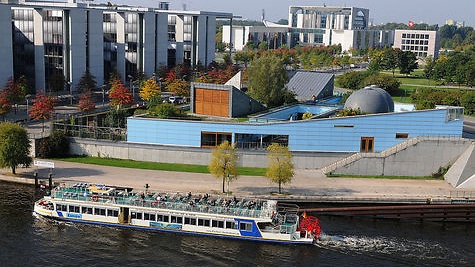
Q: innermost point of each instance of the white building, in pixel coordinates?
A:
(315, 25)
(421, 43)
(50, 41)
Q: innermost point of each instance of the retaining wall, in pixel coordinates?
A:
(422, 159)
(199, 156)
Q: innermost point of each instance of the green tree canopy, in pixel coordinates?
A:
(224, 162)
(267, 78)
(87, 83)
(280, 168)
(14, 146)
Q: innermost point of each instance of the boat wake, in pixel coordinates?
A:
(387, 247)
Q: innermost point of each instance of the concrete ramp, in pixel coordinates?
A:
(462, 172)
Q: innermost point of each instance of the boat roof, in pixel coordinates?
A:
(200, 203)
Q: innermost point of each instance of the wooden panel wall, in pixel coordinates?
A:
(212, 102)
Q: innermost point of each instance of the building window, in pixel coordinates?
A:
(367, 144)
(213, 139)
(402, 135)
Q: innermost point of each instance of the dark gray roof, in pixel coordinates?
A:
(370, 100)
(305, 84)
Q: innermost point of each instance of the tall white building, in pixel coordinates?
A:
(52, 41)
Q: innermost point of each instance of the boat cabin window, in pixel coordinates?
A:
(149, 216)
(86, 210)
(204, 222)
(136, 215)
(231, 225)
(219, 224)
(245, 226)
(176, 219)
(73, 208)
(162, 218)
(61, 207)
(112, 213)
(99, 211)
(189, 220)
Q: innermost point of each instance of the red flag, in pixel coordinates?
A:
(410, 24)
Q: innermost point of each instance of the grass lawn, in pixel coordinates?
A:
(157, 166)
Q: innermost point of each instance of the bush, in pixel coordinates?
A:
(165, 110)
(383, 81)
(352, 80)
(54, 146)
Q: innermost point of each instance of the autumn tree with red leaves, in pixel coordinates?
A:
(120, 96)
(5, 105)
(86, 103)
(42, 108)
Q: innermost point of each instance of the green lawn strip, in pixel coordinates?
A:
(157, 165)
(386, 177)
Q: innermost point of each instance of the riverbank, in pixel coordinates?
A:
(306, 186)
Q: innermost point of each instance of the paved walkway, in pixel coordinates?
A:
(307, 184)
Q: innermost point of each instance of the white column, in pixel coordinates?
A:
(121, 44)
(40, 82)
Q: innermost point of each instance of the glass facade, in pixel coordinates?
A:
(23, 45)
(132, 43)
(53, 49)
(110, 43)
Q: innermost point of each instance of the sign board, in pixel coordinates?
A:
(47, 164)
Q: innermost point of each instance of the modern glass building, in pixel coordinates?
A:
(53, 43)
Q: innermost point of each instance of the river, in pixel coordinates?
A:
(28, 240)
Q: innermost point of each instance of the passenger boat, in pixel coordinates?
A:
(198, 214)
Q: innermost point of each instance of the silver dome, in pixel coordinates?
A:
(370, 100)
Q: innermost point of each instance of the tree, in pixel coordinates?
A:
(267, 78)
(120, 95)
(15, 92)
(224, 162)
(429, 68)
(14, 146)
(280, 168)
(179, 87)
(407, 62)
(149, 89)
(86, 103)
(42, 108)
(87, 83)
(5, 105)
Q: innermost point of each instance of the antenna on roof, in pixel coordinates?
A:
(263, 15)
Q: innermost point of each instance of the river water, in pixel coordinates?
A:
(27, 240)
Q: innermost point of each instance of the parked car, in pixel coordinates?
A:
(177, 100)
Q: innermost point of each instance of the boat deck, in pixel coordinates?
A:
(203, 203)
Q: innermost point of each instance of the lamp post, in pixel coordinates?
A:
(103, 94)
(132, 86)
(27, 98)
(70, 92)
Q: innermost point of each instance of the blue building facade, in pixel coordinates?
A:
(366, 133)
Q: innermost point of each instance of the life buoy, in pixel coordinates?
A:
(94, 198)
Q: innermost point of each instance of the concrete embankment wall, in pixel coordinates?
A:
(199, 156)
(422, 159)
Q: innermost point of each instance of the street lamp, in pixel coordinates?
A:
(132, 86)
(70, 92)
(103, 93)
(27, 98)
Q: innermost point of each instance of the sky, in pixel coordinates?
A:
(381, 11)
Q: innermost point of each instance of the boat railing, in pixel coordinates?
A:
(172, 203)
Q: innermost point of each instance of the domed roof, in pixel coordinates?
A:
(370, 100)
